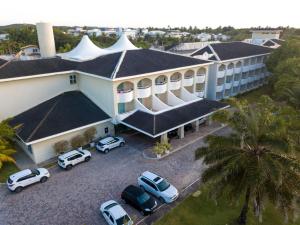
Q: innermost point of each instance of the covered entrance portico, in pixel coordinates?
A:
(160, 124)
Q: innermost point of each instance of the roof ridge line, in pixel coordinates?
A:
(43, 120)
(212, 49)
(118, 65)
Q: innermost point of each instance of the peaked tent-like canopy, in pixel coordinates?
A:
(121, 45)
(85, 50)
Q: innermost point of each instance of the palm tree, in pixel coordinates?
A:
(253, 161)
(6, 134)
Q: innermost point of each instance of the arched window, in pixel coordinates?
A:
(222, 68)
(144, 83)
(162, 79)
(176, 76)
(125, 87)
(201, 71)
(189, 74)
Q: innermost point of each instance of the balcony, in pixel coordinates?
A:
(246, 68)
(200, 94)
(244, 81)
(160, 88)
(220, 88)
(143, 91)
(188, 81)
(221, 74)
(238, 70)
(228, 85)
(229, 72)
(200, 78)
(236, 83)
(125, 96)
(174, 84)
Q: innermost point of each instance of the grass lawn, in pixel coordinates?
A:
(7, 170)
(203, 211)
(253, 95)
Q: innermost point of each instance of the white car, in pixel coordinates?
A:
(114, 214)
(106, 144)
(17, 181)
(70, 159)
(158, 186)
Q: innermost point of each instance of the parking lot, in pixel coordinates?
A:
(74, 197)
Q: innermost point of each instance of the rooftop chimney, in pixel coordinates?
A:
(46, 39)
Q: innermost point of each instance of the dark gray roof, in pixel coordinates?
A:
(237, 49)
(158, 123)
(269, 43)
(2, 61)
(278, 41)
(146, 61)
(64, 112)
(134, 62)
(19, 68)
(202, 51)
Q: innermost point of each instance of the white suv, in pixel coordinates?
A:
(70, 159)
(17, 181)
(114, 214)
(158, 186)
(106, 144)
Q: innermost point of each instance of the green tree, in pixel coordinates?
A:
(253, 161)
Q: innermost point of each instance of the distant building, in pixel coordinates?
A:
(155, 33)
(4, 37)
(203, 36)
(76, 31)
(261, 36)
(176, 34)
(188, 47)
(94, 32)
(131, 33)
(28, 52)
(273, 43)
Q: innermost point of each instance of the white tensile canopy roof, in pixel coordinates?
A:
(121, 45)
(85, 50)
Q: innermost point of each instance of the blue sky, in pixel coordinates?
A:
(158, 13)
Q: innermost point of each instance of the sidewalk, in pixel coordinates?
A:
(23, 161)
(190, 137)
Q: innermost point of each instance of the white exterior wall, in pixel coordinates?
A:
(20, 95)
(44, 150)
(99, 91)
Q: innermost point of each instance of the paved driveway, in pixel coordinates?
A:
(73, 197)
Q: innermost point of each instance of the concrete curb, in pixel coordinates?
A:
(181, 147)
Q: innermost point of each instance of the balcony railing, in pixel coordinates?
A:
(143, 91)
(238, 70)
(200, 78)
(200, 93)
(160, 87)
(175, 84)
(229, 71)
(221, 74)
(236, 83)
(220, 88)
(125, 95)
(188, 81)
(228, 85)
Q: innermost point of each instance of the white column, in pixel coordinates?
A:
(164, 138)
(181, 132)
(196, 125)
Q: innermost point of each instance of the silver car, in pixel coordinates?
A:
(108, 143)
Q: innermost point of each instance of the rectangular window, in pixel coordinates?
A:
(106, 130)
(73, 79)
(29, 148)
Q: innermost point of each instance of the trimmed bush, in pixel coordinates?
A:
(61, 146)
(89, 134)
(77, 141)
(160, 148)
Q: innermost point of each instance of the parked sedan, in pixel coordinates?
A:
(139, 199)
(158, 186)
(114, 214)
(17, 181)
(70, 159)
(107, 144)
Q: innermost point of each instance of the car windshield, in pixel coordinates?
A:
(110, 206)
(123, 220)
(35, 171)
(81, 152)
(163, 185)
(143, 198)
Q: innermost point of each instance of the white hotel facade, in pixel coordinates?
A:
(60, 96)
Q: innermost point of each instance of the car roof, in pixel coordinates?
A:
(20, 174)
(117, 211)
(67, 154)
(106, 140)
(134, 190)
(152, 176)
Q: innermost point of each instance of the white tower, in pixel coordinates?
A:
(46, 39)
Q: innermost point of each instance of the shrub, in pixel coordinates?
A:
(61, 146)
(161, 147)
(77, 141)
(89, 134)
